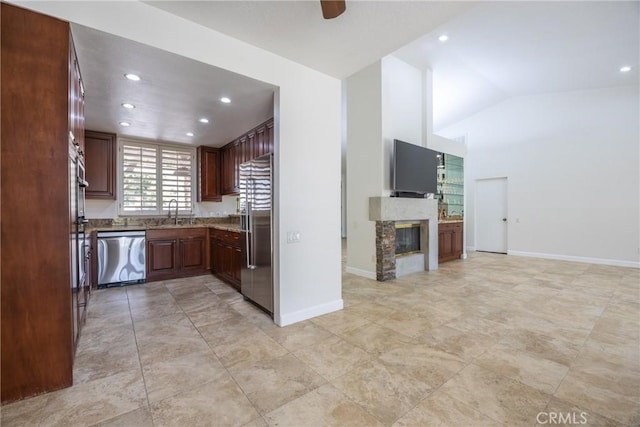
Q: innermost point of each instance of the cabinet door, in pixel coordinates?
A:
(192, 253)
(229, 156)
(457, 240)
(212, 255)
(251, 152)
(162, 258)
(270, 138)
(236, 260)
(449, 242)
(100, 164)
(209, 174)
(238, 160)
(76, 99)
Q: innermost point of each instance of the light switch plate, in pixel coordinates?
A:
(293, 237)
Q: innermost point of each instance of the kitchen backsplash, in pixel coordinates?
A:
(155, 221)
(108, 209)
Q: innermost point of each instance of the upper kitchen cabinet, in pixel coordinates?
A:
(209, 174)
(42, 119)
(100, 163)
(252, 144)
(230, 174)
(76, 101)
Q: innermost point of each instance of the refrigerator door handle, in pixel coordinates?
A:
(252, 225)
(248, 233)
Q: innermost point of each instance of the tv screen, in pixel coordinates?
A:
(414, 169)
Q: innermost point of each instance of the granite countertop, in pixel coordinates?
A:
(222, 226)
(228, 226)
(449, 221)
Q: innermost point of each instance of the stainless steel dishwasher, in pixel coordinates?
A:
(121, 258)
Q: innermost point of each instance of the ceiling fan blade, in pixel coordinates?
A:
(332, 8)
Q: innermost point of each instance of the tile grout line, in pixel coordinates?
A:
(144, 381)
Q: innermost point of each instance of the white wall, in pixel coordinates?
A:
(364, 166)
(384, 102)
(572, 162)
(307, 122)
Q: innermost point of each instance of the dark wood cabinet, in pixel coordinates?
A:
(193, 252)
(264, 139)
(230, 163)
(76, 100)
(225, 255)
(176, 252)
(255, 143)
(100, 163)
(450, 241)
(40, 90)
(209, 174)
(162, 257)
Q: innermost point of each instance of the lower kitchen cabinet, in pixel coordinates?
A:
(449, 241)
(225, 255)
(176, 252)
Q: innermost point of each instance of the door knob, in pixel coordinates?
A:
(504, 219)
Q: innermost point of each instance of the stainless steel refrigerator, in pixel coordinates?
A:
(256, 201)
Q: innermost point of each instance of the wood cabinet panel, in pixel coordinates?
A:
(35, 283)
(209, 174)
(100, 162)
(192, 252)
(161, 258)
(226, 256)
(229, 172)
(176, 252)
(255, 143)
(450, 241)
(270, 138)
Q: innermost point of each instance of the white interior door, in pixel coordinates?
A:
(491, 215)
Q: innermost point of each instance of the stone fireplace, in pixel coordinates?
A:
(407, 226)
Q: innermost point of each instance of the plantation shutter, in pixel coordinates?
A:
(153, 175)
(176, 177)
(139, 179)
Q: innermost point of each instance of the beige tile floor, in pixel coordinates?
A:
(492, 340)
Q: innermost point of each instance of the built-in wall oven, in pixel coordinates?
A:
(79, 245)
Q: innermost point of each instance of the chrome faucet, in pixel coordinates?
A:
(169, 209)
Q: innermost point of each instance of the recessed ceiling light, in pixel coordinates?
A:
(225, 100)
(125, 124)
(204, 120)
(443, 38)
(190, 133)
(625, 69)
(127, 105)
(133, 77)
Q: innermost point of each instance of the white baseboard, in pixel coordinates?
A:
(604, 261)
(359, 272)
(308, 313)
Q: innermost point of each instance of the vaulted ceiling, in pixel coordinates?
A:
(495, 50)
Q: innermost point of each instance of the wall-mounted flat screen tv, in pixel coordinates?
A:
(414, 171)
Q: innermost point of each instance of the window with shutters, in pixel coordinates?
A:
(153, 175)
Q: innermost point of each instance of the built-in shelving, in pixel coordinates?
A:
(450, 185)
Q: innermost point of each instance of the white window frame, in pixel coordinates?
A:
(157, 145)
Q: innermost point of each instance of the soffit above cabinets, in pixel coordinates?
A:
(173, 94)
